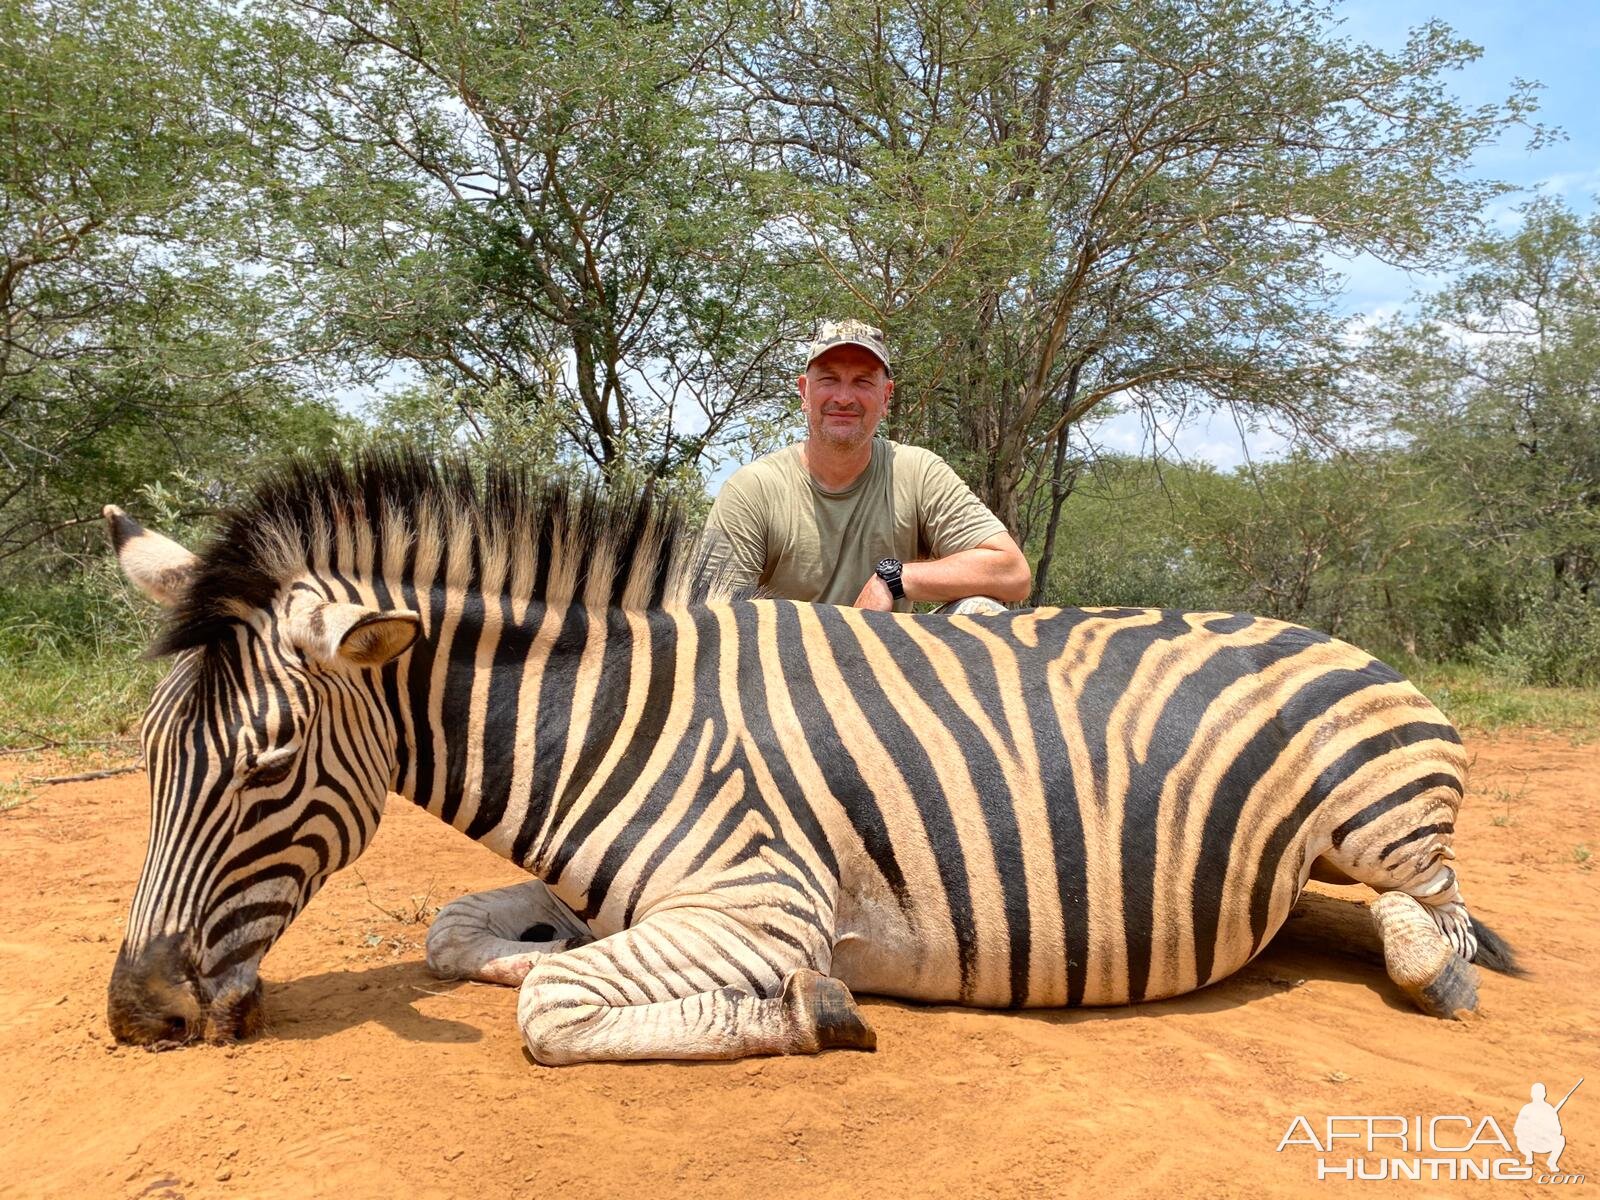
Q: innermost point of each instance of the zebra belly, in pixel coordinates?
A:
(874, 959)
(905, 947)
(878, 951)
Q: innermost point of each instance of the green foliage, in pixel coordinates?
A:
(1124, 540)
(494, 425)
(70, 659)
(136, 347)
(525, 202)
(442, 420)
(64, 704)
(1496, 391)
(1050, 206)
(94, 615)
(1554, 642)
(1478, 699)
(591, 231)
(1333, 543)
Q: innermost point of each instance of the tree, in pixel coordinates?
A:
(1341, 542)
(1495, 390)
(131, 342)
(1497, 385)
(1051, 206)
(521, 202)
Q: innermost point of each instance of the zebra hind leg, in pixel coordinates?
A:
(684, 984)
(1421, 959)
(497, 936)
(1430, 940)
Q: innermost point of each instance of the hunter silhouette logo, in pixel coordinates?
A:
(1452, 1146)
(1538, 1127)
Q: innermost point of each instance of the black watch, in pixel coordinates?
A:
(888, 570)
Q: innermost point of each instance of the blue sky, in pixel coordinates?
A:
(1557, 43)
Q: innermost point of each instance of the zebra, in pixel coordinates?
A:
(737, 812)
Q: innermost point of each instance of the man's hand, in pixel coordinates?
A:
(994, 568)
(875, 595)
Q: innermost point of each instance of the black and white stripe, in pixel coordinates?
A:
(1035, 809)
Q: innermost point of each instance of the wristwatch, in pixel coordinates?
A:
(888, 570)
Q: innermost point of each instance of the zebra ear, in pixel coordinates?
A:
(158, 566)
(352, 635)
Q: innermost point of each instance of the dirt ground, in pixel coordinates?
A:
(375, 1079)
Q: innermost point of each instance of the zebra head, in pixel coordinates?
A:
(269, 754)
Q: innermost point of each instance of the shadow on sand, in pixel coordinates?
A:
(314, 1006)
(1326, 938)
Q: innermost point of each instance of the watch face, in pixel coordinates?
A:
(888, 566)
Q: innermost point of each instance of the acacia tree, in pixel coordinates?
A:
(1051, 206)
(1496, 386)
(126, 325)
(520, 201)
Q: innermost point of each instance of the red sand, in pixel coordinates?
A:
(376, 1079)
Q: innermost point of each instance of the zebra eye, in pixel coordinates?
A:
(270, 769)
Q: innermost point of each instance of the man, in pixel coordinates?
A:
(845, 517)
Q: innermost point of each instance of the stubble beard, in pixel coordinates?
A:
(854, 440)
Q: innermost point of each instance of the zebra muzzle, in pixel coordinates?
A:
(157, 999)
(236, 1010)
(154, 999)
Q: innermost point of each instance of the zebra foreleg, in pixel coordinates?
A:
(497, 936)
(686, 984)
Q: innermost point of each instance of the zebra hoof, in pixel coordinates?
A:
(1422, 961)
(1453, 994)
(825, 1014)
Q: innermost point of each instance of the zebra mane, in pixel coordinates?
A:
(497, 531)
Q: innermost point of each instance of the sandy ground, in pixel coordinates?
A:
(375, 1079)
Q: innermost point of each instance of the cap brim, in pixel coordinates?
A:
(867, 346)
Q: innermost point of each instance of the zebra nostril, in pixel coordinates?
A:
(153, 998)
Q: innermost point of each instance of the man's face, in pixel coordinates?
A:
(845, 393)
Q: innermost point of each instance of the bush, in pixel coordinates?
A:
(72, 669)
(1556, 643)
(1123, 541)
(91, 615)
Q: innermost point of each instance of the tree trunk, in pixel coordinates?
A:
(1061, 485)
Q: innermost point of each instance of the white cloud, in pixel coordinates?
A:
(1578, 187)
(1210, 437)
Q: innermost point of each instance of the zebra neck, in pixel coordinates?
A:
(523, 729)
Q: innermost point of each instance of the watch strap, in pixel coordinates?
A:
(889, 570)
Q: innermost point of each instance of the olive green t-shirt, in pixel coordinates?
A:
(774, 526)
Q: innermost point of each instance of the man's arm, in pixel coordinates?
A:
(735, 546)
(995, 567)
(970, 552)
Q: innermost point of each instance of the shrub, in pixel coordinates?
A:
(1555, 643)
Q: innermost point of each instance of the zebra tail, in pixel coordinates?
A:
(1494, 952)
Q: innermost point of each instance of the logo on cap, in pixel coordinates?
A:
(848, 333)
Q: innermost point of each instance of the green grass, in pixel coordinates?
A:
(13, 794)
(75, 704)
(1477, 700)
(72, 677)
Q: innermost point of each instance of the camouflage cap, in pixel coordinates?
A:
(848, 332)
